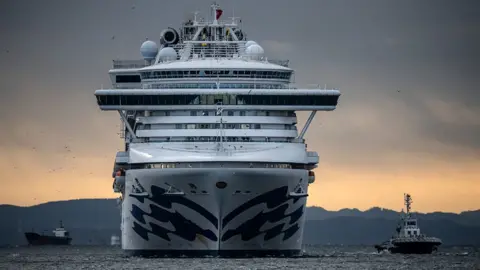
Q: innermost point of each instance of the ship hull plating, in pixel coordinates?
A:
(415, 248)
(35, 239)
(220, 212)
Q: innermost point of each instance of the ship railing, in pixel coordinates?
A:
(126, 64)
(204, 22)
(313, 86)
(243, 85)
(187, 85)
(218, 50)
(123, 86)
(214, 54)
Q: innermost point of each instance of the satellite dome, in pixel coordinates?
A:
(167, 54)
(249, 43)
(254, 50)
(149, 50)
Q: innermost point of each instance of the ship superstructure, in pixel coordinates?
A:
(213, 161)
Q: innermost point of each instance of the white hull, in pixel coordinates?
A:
(258, 212)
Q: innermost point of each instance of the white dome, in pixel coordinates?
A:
(149, 50)
(254, 50)
(249, 43)
(167, 54)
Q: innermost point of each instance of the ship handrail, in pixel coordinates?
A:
(129, 64)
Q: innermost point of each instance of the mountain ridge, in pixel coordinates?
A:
(93, 221)
(373, 208)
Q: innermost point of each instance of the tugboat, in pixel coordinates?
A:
(60, 237)
(408, 239)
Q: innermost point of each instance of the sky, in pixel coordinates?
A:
(408, 119)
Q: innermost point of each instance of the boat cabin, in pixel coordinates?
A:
(60, 231)
(410, 228)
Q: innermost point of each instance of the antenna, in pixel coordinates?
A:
(408, 202)
(195, 22)
(214, 9)
(234, 22)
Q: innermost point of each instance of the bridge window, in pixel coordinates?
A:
(210, 100)
(127, 79)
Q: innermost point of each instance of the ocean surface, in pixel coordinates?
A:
(318, 257)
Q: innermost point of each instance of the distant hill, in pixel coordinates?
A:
(469, 218)
(93, 221)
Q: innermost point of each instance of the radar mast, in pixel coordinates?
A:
(408, 203)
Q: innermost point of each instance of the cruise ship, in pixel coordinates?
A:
(213, 163)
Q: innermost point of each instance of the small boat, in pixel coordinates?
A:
(60, 237)
(408, 239)
(115, 240)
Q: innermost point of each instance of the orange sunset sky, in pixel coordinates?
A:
(408, 119)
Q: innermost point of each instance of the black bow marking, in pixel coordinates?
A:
(184, 228)
(278, 199)
(158, 196)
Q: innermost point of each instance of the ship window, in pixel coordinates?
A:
(214, 73)
(230, 113)
(127, 79)
(211, 100)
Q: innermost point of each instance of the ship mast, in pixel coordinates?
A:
(408, 203)
(215, 7)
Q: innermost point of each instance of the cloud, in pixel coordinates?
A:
(453, 113)
(367, 50)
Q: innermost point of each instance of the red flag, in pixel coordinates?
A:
(219, 13)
